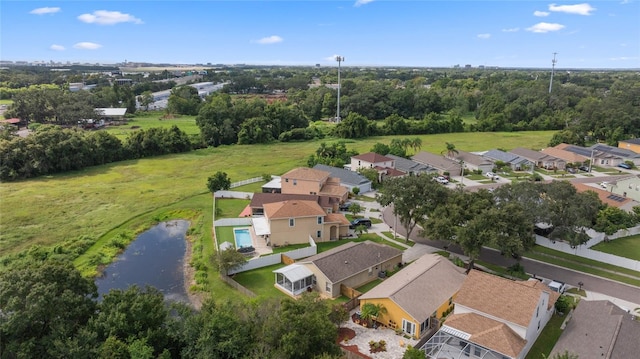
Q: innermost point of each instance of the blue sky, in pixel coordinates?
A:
(419, 33)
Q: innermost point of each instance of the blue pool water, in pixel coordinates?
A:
(242, 237)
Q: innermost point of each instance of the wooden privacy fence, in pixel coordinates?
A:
(237, 285)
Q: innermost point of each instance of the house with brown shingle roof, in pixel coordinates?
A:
(304, 180)
(439, 162)
(567, 156)
(417, 297)
(540, 159)
(474, 162)
(608, 196)
(295, 221)
(371, 160)
(352, 265)
(599, 329)
(493, 317)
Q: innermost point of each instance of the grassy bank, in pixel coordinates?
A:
(145, 120)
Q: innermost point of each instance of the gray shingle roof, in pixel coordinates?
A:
(342, 262)
(600, 329)
(615, 151)
(421, 287)
(407, 166)
(346, 177)
(498, 155)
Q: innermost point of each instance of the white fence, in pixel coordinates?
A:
(224, 222)
(596, 237)
(272, 259)
(234, 194)
(247, 181)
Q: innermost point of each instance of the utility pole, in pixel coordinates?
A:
(339, 59)
(553, 66)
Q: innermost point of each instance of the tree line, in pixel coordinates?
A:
(49, 310)
(505, 218)
(52, 149)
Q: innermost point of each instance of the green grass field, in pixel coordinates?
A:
(628, 247)
(145, 120)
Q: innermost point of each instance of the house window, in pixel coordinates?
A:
(327, 287)
(292, 222)
(286, 180)
(424, 326)
(538, 325)
(476, 351)
(319, 219)
(359, 163)
(537, 311)
(319, 234)
(408, 327)
(450, 300)
(295, 182)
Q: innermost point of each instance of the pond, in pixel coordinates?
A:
(155, 258)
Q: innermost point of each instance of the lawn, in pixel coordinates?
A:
(628, 247)
(146, 120)
(367, 287)
(547, 339)
(261, 281)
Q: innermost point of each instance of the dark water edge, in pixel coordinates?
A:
(155, 258)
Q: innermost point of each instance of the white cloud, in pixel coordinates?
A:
(484, 36)
(55, 47)
(45, 10)
(623, 58)
(331, 58)
(104, 17)
(540, 13)
(87, 46)
(274, 39)
(362, 2)
(513, 29)
(578, 9)
(542, 27)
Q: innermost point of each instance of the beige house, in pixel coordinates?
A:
(304, 180)
(418, 296)
(494, 318)
(352, 265)
(540, 159)
(294, 221)
(627, 187)
(371, 160)
(439, 162)
(567, 156)
(474, 162)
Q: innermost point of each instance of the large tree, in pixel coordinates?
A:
(413, 198)
(219, 181)
(42, 304)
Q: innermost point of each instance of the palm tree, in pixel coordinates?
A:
(451, 150)
(416, 144)
(370, 311)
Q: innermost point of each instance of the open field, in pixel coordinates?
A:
(93, 201)
(146, 120)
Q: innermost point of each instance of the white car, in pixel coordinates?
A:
(491, 175)
(442, 180)
(604, 184)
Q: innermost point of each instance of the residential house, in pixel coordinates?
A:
(258, 200)
(474, 162)
(626, 187)
(273, 186)
(441, 163)
(514, 161)
(493, 318)
(294, 221)
(111, 114)
(348, 179)
(304, 180)
(603, 155)
(418, 296)
(411, 167)
(567, 156)
(599, 329)
(631, 145)
(371, 160)
(351, 265)
(607, 196)
(540, 159)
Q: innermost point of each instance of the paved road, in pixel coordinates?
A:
(540, 269)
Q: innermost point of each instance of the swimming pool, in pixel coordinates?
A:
(242, 237)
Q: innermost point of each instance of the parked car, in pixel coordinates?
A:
(360, 221)
(625, 166)
(491, 175)
(345, 206)
(584, 168)
(604, 184)
(557, 286)
(442, 179)
(571, 170)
